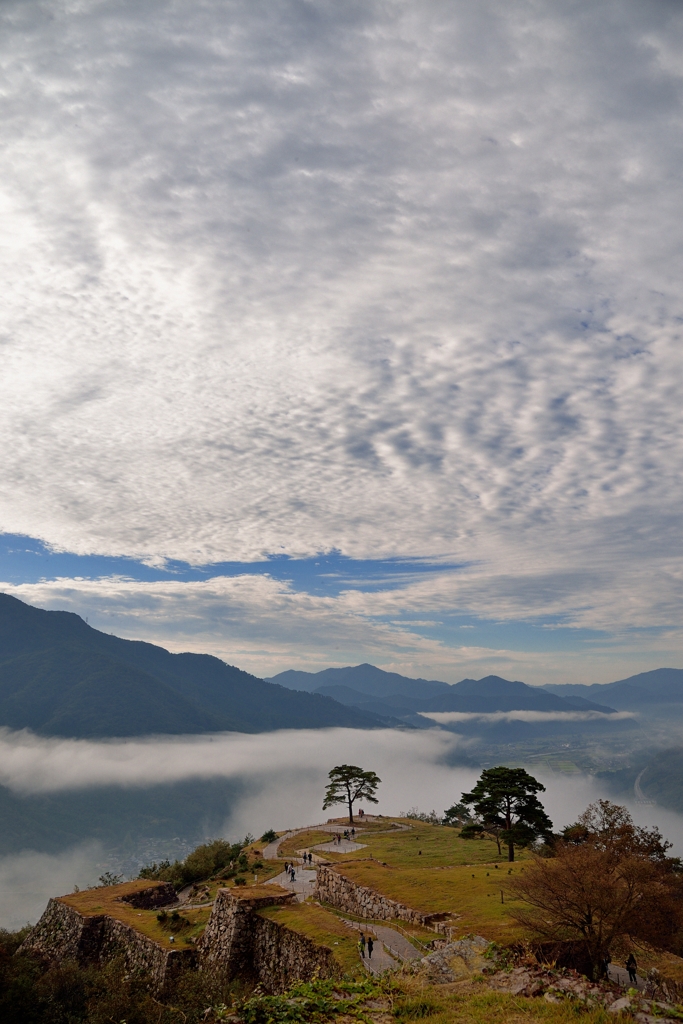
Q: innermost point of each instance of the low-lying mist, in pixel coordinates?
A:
(279, 782)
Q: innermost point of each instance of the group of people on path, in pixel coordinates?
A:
(290, 871)
(345, 835)
(290, 868)
(363, 944)
(631, 967)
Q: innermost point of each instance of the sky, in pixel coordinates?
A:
(335, 333)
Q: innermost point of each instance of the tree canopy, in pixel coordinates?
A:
(610, 827)
(608, 880)
(349, 783)
(506, 807)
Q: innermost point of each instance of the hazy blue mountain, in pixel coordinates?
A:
(492, 693)
(640, 692)
(61, 677)
(368, 679)
(478, 696)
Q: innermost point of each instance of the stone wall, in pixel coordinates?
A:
(238, 942)
(160, 894)
(64, 934)
(339, 891)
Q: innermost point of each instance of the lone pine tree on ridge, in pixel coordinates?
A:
(349, 783)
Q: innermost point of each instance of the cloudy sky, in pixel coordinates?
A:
(343, 332)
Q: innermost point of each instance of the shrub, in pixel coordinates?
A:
(431, 817)
(204, 862)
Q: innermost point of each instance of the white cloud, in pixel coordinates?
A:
(33, 764)
(28, 879)
(451, 717)
(265, 625)
(381, 278)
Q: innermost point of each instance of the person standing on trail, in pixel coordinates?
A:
(286, 867)
(310, 859)
(607, 960)
(361, 946)
(632, 967)
(370, 947)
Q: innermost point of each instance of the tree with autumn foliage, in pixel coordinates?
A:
(608, 880)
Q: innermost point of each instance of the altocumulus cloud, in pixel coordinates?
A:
(385, 278)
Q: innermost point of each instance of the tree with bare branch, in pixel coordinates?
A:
(606, 887)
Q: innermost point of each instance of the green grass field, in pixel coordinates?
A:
(424, 846)
(471, 892)
(323, 928)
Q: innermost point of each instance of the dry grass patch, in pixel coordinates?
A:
(303, 841)
(472, 1003)
(321, 927)
(107, 900)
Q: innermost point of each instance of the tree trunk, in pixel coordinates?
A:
(511, 851)
(350, 810)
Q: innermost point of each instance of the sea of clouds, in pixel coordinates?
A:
(451, 717)
(285, 774)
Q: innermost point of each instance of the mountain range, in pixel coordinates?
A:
(648, 692)
(374, 691)
(61, 677)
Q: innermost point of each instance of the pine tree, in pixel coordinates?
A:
(507, 808)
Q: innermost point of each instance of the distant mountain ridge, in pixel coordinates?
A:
(61, 677)
(372, 681)
(647, 692)
(372, 690)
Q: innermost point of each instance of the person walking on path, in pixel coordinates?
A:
(370, 947)
(607, 960)
(310, 859)
(632, 967)
(361, 946)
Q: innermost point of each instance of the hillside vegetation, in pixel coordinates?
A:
(61, 677)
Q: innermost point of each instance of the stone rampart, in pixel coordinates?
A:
(238, 942)
(65, 934)
(341, 892)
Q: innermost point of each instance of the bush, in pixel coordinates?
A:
(431, 817)
(204, 862)
(269, 837)
(240, 880)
